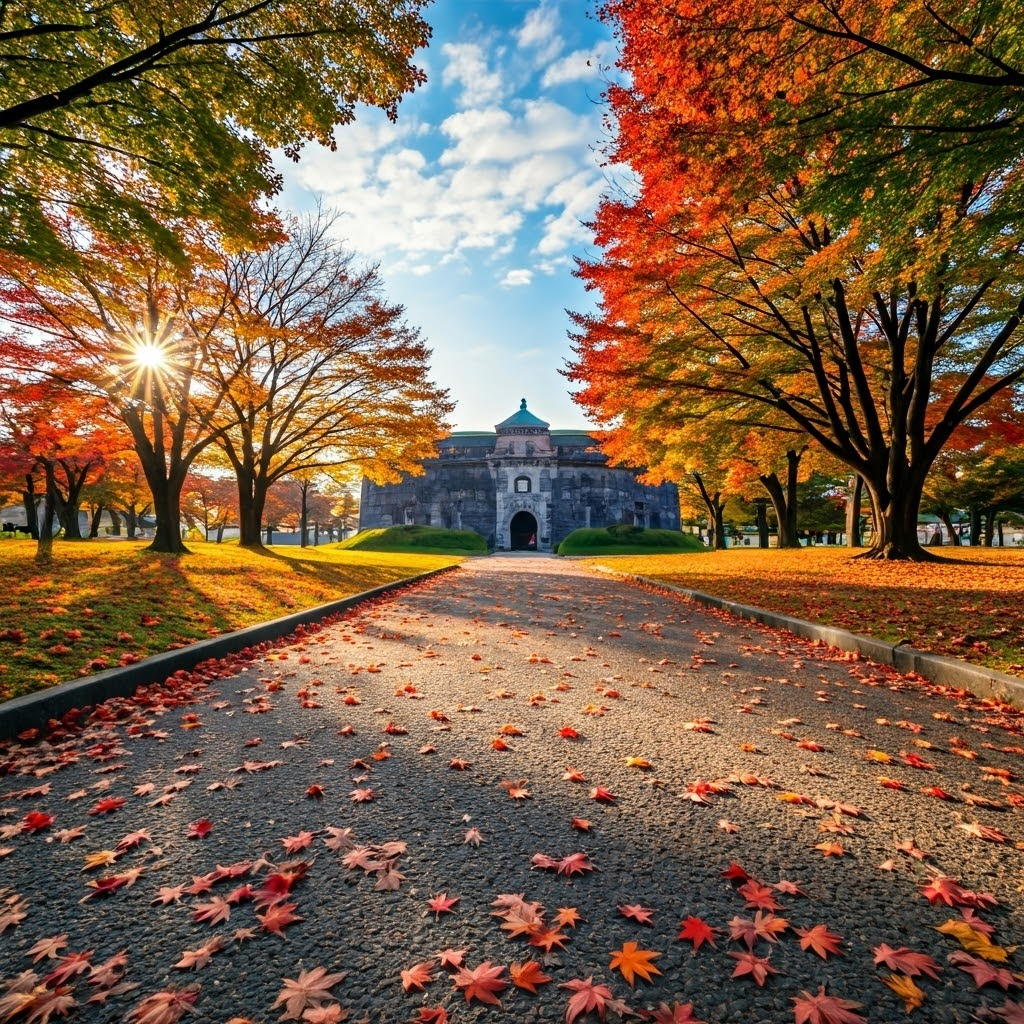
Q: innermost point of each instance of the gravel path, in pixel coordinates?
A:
(374, 747)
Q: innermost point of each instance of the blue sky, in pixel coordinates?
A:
(472, 203)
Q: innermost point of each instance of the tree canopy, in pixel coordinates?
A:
(735, 275)
(131, 115)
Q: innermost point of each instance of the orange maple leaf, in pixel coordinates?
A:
(632, 962)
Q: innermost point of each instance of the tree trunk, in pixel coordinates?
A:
(761, 522)
(784, 503)
(44, 547)
(270, 533)
(999, 532)
(895, 512)
(975, 514)
(29, 499)
(316, 534)
(303, 515)
(954, 535)
(167, 509)
(716, 513)
(94, 524)
(131, 521)
(853, 503)
(115, 523)
(220, 532)
(251, 502)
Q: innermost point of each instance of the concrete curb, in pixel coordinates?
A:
(34, 710)
(936, 668)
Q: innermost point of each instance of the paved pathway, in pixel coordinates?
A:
(373, 748)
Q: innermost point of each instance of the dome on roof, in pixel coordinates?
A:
(522, 418)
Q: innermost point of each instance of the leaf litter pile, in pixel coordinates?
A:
(519, 791)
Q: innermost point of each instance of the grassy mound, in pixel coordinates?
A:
(420, 539)
(628, 540)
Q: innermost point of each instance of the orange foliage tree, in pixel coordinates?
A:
(318, 371)
(735, 274)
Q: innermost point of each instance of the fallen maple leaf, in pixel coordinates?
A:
(311, 988)
(905, 988)
(602, 795)
(199, 829)
(636, 912)
(442, 904)
(906, 961)
(697, 931)
(982, 972)
(677, 1013)
(586, 997)
(758, 967)
(165, 1007)
(632, 961)
(820, 940)
(415, 977)
(528, 976)
(825, 1009)
(278, 917)
(481, 983)
(974, 941)
(198, 958)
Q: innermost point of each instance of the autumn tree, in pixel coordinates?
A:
(318, 371)
(210, 501)
(62, 438)
(732, 271)
(134, 328)
(193, 96)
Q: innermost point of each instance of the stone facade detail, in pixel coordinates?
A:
(524, 486)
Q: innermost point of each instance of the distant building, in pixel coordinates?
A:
(523, 487)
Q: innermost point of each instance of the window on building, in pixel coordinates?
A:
(522, 485)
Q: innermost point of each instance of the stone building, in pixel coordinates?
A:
(523, 487)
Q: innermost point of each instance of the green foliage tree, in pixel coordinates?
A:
(132, 115)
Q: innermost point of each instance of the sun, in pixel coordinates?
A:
(149, 356)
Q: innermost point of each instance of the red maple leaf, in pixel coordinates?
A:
(442, 904)
(36, 821)
(982, 972)
(906, 961)
(278, 917)
(199, 829)
(415, 977)
(677, 1013)
(757, 967)
(697, 931)
(819, 939)
(481, 983)
(825, 1009)
(107, 805)
(574, 864)
(586, 997)
(636, 912)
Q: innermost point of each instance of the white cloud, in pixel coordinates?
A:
(517, 278)
(578, 196)
(578, 66)
(467, 66)
(539, 32)
(494, 134)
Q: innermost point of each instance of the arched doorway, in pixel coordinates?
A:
(523, 532)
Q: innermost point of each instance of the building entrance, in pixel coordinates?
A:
(523, 530)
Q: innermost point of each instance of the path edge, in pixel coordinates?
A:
(936, 668)
(35, 710)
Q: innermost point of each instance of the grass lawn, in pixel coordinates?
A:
(100, 604)
(627, 540)
(970, 606)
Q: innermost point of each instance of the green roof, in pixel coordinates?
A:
(522, 418)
